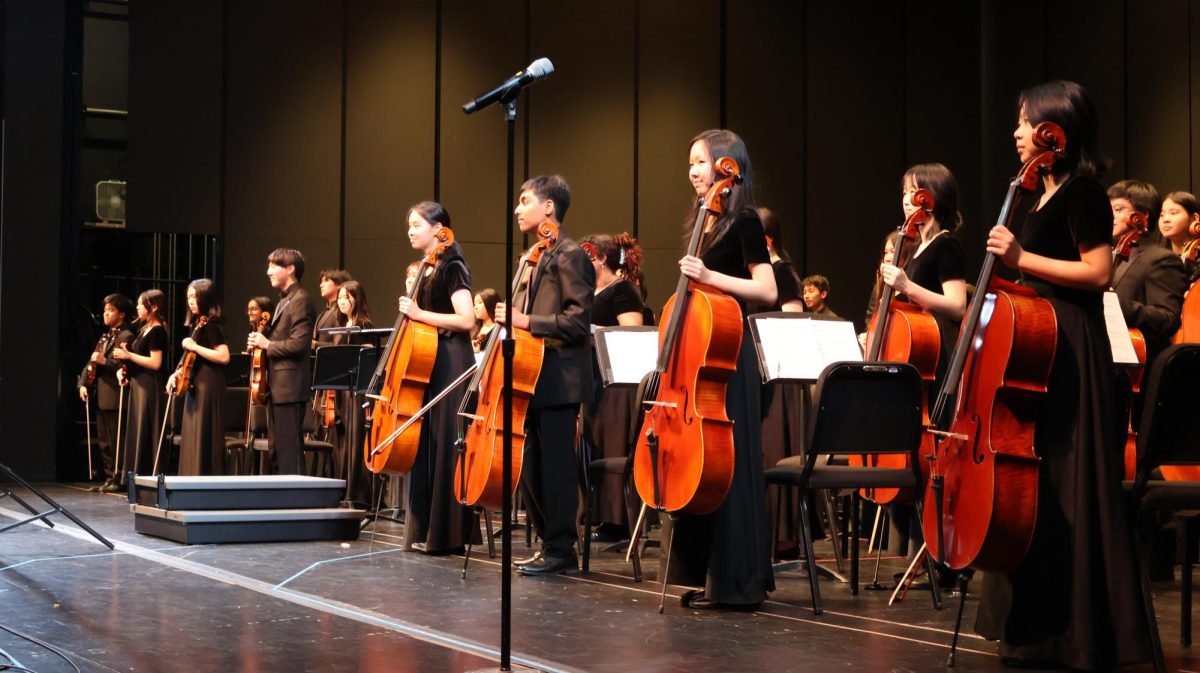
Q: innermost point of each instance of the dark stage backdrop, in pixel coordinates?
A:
(315, 123)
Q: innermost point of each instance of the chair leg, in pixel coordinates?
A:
(854, 506)
(835, 534)
(1141, 533)
(1183, 527)
(491, 534)
(806, 540)
(776, 523)
(586, 543)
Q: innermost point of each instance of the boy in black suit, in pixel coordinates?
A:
(117, 309)
(287, 341)
(555, 304)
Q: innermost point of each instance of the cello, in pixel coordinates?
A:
(479, 471)
(1138, 223)
(398, 385)
(684, 458)
(902, 331)
(1189, 327)
(984, 483)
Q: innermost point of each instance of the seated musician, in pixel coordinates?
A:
(331, 281)
(555, 304)
(816, 292)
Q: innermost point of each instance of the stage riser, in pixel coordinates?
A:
(247, 531)
(306, 498)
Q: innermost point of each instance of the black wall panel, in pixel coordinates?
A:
(1159, 103)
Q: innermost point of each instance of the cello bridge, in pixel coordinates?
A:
(656, 403)
(948, 435)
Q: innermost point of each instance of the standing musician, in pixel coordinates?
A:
(1149, 283)
(1075, 600)
(438, 523)
(202, 430)
(556, 305)
(286, 343)
(726, 551)
(117, 309)
(255, 308)
(331, 280)
(353, 311)
(606, 419)
(143, 359)
(781, 401)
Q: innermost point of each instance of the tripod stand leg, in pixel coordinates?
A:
(59, 509)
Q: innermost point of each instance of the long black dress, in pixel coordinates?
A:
(727, 551)
(1076, 598)
(202, 430)
(606, 418)
(437, 518)
(782, 414)
(144, 404)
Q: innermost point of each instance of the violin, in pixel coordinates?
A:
(183, 372)
(329, 410)
(684, 458)
(259, 391)
(400, 379)
(478, 474)
(902, 331)
(106, 340)
(981, 506)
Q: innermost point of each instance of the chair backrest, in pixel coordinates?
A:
(234, 409)
(863, 407)
(1169, 432)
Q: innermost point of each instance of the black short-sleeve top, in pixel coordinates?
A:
(449, 276)
(941, 261)
(742, 245)
(619, 297)
(1078, 214)
(211, 335)
(155, 339)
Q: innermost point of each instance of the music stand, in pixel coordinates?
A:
(55, 508)
(795, 348)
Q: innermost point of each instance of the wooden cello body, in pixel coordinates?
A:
(1189, 319)
(479, 472)
(684, 458)
(981, 509)
(405, 370)
(904, 332)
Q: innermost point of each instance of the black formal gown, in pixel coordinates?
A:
(606, 418)
(437, 518)
(727, 551)
(202, 430)
(1076, 598)
(144, 403)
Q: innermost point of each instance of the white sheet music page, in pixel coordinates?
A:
(632, 355)
(802, 348)
(1118, 331)
(837, 340)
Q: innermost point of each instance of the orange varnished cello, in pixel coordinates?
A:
(398, 385)
(981, 508)
(1189, 325)
(1138, 223)
(479, 472)
(903, 332)
(684, 457)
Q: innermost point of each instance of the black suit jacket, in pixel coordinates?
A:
(327, 318)
(290, 332)
(559, 305)
(1150, 286)
(106, 374)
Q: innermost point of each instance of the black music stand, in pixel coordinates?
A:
(55, 508)
(336, 369)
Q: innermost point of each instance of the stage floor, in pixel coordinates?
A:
(154, 605)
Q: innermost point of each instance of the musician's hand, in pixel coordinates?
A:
(501, 312)
(170, 387)
(121, 377)
(1004, 245)
(98, 358)
(409, 308)
(257, 340)
(83, 394)
(189, 344)
(693, 267)
(894, 276)
(119, 353)
(518, 319)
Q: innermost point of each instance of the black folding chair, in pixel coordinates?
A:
(861, 408)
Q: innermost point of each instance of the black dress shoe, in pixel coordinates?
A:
(550, 565)
(537, 556)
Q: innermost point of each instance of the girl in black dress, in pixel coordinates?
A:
(781, 401)
(1180, 212)
(202, 431)
(437, 523)
(726, 551)
(485, 317)
(1076, 599)
(143, 359)
(348, 464)
(606, 419)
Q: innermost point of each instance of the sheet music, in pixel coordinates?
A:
(1118, 331)
(799, 348)
(631, 355)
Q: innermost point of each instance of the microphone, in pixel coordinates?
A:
(535, 71)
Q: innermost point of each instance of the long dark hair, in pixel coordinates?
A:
(724, 143)
(156, 305)
(770, 223)
(490, 298)
(941, 184)
(207, 301)
(362, 313)
(1068, 105)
